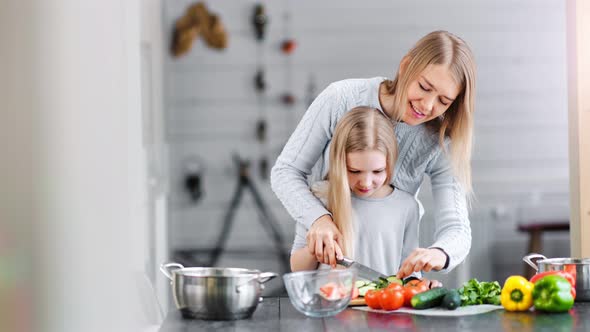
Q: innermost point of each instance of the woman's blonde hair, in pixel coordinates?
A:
(361, 129)
(444, 48)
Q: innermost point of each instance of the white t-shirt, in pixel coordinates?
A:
(385, 230)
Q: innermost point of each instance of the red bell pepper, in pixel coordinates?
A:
(571, 268)
(567, 275)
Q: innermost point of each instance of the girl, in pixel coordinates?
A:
(384, 228)
(432, 101)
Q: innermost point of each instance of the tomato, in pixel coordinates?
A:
(395, 286)
(412, 288)
(332, 291)
(329, 291)
(409, 292)
(412, 282)
(391, 299)
(417, 282)
(372, 298)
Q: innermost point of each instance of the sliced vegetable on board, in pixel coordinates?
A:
(364, 289)
(394, 279)
(373, 291)
(364, 286)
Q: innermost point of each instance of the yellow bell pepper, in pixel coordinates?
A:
(517, 294)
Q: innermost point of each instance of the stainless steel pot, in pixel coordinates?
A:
(580, 265)
(216, 293)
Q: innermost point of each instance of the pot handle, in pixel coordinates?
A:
(529, 260)
(266, 276)
(261, 278)
(165, 268)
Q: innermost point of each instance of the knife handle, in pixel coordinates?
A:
(345, 261)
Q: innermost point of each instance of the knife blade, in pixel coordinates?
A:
(364, 271)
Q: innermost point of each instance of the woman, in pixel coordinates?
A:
(431, 100)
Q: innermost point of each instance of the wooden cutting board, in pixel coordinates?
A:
(357, 302)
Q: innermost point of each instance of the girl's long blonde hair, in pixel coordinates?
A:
(444, 48)
(361, 129)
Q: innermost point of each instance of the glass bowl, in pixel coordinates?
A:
(320, 293)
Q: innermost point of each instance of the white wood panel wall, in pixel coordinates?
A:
(520, 155)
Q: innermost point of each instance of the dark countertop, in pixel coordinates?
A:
(277, 314)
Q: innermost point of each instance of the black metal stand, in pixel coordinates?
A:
(265, 217)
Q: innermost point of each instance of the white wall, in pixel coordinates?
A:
(73, 179)
(155, 146)
(520, 154)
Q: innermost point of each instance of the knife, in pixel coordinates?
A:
(364, 271)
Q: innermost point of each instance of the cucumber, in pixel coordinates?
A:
(360, 283)
(393, 278)
(430, 298)
(365, 286)
(363, 290)
(452, 300)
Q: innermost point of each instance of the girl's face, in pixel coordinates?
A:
(430, 95)
(366, 172)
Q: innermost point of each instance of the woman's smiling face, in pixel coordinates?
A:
(430, 95)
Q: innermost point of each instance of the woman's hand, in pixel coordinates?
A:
(422, 259)
(323, 241)
(432, 283)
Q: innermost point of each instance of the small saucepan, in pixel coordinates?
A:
(216, 293)
(578, 266)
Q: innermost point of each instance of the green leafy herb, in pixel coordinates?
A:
(381, 283)
(474, 292)
(384, 282)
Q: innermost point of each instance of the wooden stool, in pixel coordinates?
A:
(536, 230)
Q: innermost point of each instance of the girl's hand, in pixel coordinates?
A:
(422, 259)
(323, 241)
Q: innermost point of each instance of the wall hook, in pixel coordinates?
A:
(260, 20)
(193, 179)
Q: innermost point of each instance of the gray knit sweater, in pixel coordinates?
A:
(305, 158)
